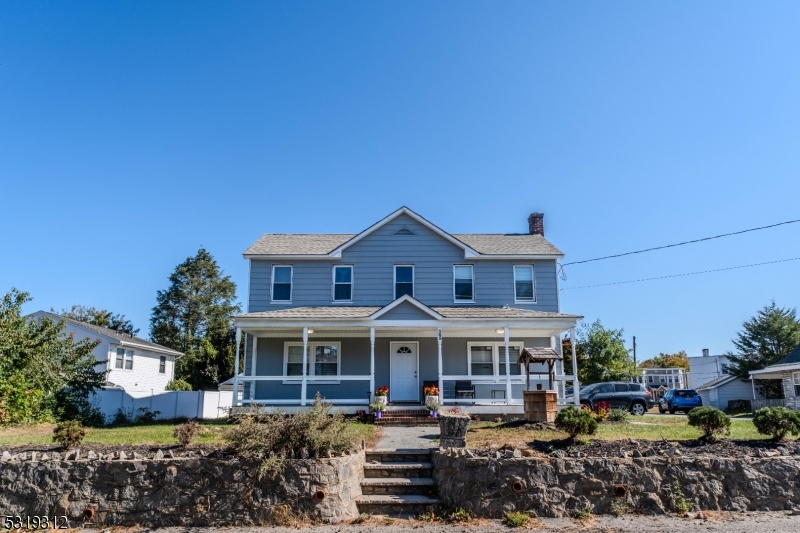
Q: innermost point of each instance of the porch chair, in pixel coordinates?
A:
(465, 389)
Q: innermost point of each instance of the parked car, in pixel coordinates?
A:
(631, 396)
(679, 400)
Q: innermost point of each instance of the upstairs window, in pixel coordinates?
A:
(124, 359)
(162, 365)
(403, 280)
(796, 378)
(463, 284)
(281, 283)
(343, 284)
(523, 283)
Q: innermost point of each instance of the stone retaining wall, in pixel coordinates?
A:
(164, 491)
(556, 487)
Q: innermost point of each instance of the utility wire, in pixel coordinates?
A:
(682, 243)
(680, 275)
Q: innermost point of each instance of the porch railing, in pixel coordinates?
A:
(247, 397)
(758, 404)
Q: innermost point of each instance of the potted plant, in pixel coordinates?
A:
(381, 394)
(453, 425)
(431, 393)
(433, 407)
(377, 408)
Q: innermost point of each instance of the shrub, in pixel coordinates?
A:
(576, 422)
(618, 414)
(146, 416)
(711, 421)
(179, 384)
(460, 515)
(584, 513)
(681, 505)
(122, 418)
(516, 519)
(777, 422)
(69, 434)
(186, 433)
(601, 410)
(274, 437)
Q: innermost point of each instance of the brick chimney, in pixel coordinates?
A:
(536, 224)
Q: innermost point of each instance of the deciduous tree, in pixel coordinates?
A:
(667, 360)
(99, 317)
(601, 354)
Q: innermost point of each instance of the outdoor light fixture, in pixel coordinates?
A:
(500, 330)
(310, 330)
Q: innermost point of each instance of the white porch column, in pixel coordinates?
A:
(508, 367)
(236, 368)
(576, 387)
(304, 383)
(254, 353)
(441, 382)
(371, 364)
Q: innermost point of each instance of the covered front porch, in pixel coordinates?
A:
(288, 360)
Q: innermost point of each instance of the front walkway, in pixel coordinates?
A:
(414, 437)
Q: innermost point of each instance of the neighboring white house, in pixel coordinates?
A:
(706, 368)
(129, 363)
(660, 380)
(725, 388)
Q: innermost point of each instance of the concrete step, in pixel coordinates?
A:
(421, 486)
(406, 421)
(401, 469)
(401, 505)
(395, 455)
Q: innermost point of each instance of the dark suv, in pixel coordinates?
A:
(631, 396)
(679, 400)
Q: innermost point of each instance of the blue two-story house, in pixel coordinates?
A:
(402, 304)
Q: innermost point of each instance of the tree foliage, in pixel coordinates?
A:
(764, 340)
(44, 374)
(667, 360)
(98, 317)
(601, 355)
(193, 316)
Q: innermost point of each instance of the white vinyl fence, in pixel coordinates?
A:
(171, 404)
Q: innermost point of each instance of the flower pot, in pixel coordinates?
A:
(378, 415)
(433, 413)
(431, 399)
(381, 399)
(453, 430)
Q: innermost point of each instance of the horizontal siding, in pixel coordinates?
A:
(373, 259)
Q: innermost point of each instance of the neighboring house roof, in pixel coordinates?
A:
(716, 382)
(305, 244)
(116, 336)
(792, 357)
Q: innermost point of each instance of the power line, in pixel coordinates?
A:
(680, 275)
(682, 243)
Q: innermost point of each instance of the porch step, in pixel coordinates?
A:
(397, 482)
(406, 421)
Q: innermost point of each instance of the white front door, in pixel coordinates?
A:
(404, 386)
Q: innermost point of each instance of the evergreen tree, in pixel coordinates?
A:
(193, 316)
(764, 340)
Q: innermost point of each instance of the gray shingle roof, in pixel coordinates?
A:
(716, 382)
(321, 244)
(365, 312)
(792, 357)
(118, 335)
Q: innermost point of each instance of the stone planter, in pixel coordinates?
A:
(382, 399)
(453, 430)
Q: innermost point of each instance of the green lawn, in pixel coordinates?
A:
(211, 433)
(484, 434)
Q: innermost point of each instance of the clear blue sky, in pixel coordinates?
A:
(132, 133)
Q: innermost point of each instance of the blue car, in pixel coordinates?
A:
(679, 400)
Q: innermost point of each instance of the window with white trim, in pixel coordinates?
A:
(403, 280)
(463, 284)
(162, 364)
(489, 358)
(343, 283)
(796, 379)
(282, 283)
(124, 359)
(523, 283)
(324, 359)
